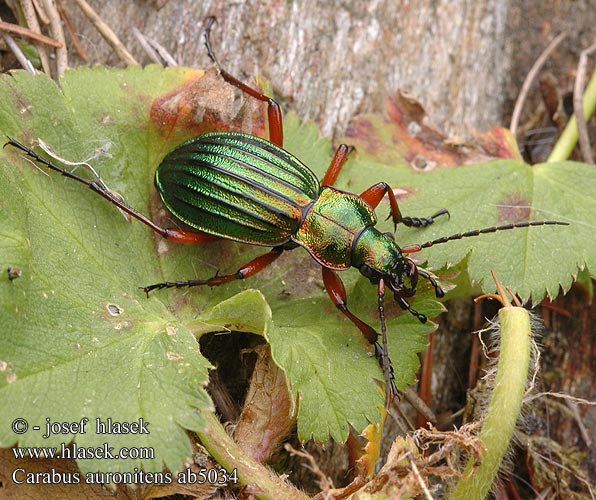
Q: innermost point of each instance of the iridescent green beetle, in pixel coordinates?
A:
(244, 188)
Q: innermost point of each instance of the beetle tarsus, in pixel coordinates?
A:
(422, 221)
(382, 351)
(254, 266)
(189, 283)
(209, 24)
(387, 367)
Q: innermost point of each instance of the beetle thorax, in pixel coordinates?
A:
(376, 255)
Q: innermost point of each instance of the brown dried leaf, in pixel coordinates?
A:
(405, 135)
(268, 414)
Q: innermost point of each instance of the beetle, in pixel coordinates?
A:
(237, 186)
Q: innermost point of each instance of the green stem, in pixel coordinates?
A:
(504, 406)
(266, 483)
(568, 139)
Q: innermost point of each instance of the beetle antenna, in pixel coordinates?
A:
(476, 232)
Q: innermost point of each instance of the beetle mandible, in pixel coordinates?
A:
(236, 186)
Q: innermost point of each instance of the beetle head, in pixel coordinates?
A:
(378, 257)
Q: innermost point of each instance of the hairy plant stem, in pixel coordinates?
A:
(504, 406)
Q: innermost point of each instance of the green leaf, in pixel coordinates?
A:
(427, 175)
(246, 311)
(532, 261)
(80, 339)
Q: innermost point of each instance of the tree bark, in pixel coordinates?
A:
(332, 60)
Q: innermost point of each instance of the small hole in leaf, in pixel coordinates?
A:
(114, 310)
(13, 273)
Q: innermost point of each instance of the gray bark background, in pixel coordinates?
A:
(464, 60)
(332, 60)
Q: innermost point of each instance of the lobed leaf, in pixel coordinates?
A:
(482, 185)
(79, 338)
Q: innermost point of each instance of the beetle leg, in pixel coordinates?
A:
(247, 270)
(189, 237)
(337, 163)
(276, 135)
(178, 235)
(337, 293)
(374, 194)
